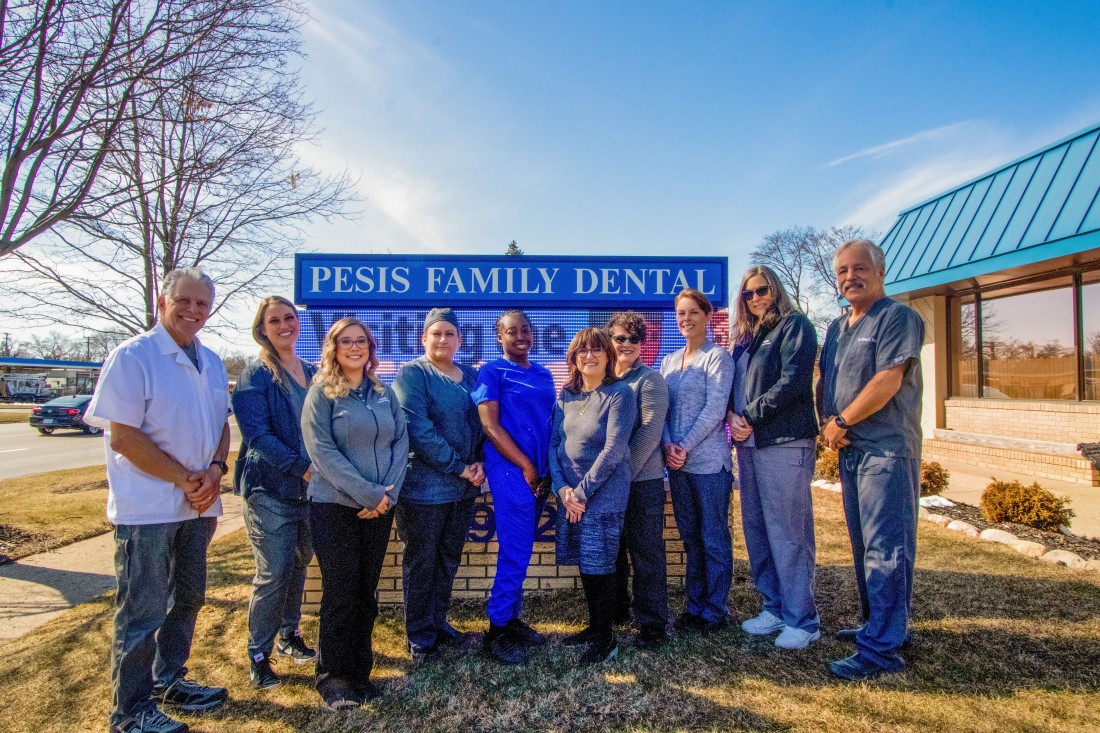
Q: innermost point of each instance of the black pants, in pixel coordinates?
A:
(643, 539)
(349, 552)
(434, 535)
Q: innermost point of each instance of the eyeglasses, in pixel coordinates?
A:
(624, 339)
(347, 343)
(590, 351)
(760, 292)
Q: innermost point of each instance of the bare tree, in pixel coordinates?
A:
(72, 74)
(208, 176)
(53, 345)
(784, 251)
(819, 255)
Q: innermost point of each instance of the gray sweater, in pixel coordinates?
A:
(358, 447)
(589, 445)
(698, 395)
(444, 432)
(651, 397)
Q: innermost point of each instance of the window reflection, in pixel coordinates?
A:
(1090, 311)
(1027, 346)
(964, 331)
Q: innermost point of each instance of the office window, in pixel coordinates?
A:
(1028, 345)
(1090, 320)
(965, 348)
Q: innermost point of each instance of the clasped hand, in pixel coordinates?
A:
(833, 435)
(740, 429)
(474, 473)
(203, 488)
(675, 456)
(382, 508)
(574, 507)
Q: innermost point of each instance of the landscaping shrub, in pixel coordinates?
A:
(1034, 506)
(828, 466)
(933, 478)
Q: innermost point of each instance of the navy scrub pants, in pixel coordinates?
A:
(880, 506)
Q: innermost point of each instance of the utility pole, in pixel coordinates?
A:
(7, 344)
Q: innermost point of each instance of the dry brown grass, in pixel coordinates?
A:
(1003, 643)
(10, 415)
(53, 508)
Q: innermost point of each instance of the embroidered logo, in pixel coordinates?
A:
(766, 342)
(867, 339)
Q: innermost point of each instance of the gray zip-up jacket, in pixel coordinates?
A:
(359, 445)
(647, 461)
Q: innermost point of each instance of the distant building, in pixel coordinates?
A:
(1005, 272)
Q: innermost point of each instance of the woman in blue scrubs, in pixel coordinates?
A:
(515, 400)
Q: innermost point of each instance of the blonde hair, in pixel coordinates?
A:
(268, 356)
(745, 324)
(589, 338)
(331, 376)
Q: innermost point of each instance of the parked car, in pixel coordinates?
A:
(63, 412)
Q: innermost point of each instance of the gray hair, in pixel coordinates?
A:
(878, 257)
(194, 274)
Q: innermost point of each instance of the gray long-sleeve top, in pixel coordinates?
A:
(359, 445)
(589, 445)
(651, 398)
(698, 395)
(444, 432)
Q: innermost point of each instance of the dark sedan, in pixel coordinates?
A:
(63, 412)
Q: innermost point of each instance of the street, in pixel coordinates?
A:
(24, 451)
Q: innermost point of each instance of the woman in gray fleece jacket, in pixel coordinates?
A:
(354, 431)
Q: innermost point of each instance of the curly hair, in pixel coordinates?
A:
(331, 376)
(629, 321)
(268, 356)
(745, 324)
(588, 338)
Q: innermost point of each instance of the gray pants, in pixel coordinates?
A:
(161, 573)
(279, 534)
(778, 518)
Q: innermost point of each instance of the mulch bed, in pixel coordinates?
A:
(1083, 547)
(15, 542)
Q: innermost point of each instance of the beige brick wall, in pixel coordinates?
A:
(1058, 422)
(479, 560)
(1073, 469)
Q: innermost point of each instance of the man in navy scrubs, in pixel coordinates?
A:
(869, 398)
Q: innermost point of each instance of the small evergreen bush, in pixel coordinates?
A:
(1034, 506)
(828, 466)
(933, 478)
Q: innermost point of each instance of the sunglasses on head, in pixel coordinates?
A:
(624, 339)
(760, 292)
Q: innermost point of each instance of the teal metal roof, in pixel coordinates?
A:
(1042, 206)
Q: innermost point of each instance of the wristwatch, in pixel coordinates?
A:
(222, 465)
(841, 424)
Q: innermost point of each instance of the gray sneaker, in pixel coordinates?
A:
(150, 721)
(191, 696)
(296, 649)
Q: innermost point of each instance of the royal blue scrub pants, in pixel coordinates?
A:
(516, 511)
(880, 506)
(778, 519)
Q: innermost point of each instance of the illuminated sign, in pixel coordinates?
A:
(496, 281)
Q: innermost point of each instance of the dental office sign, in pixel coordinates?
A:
(489, 281)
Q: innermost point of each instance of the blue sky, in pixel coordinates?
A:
(655, 128)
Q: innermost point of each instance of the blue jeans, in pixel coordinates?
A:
(161, 574)
(777, 514)
(701, 505)
(279, 534)
(880, 506)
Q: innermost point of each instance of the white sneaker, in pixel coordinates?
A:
(792, 638)
(766, 623)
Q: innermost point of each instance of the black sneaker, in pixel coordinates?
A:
(450, 636)
(423, 654)
(262, 676)
(600, 650)
(651, 637)
(296, 649)
(190, 696)
(150, 721)
(689, 622)
(506, 649)
(581, 637)
(524, 634)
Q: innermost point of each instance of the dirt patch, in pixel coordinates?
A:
(1084, 547)
(15, 543)
(86, 486)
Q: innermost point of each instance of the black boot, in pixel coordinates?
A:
(600, 591)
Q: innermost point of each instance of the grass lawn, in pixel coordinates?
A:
(1002, 643)
(47, 510)
(8, 416)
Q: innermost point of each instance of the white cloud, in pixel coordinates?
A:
(878, 151)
